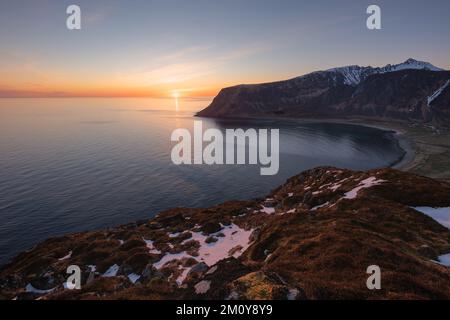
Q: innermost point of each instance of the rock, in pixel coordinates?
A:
(196, 271)
(148, 271)
(307, 197)
(211, 239)
(211, 227)
(258, 286)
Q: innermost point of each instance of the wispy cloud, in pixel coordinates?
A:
(180, 66)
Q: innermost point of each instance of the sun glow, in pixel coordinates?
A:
(176, 95)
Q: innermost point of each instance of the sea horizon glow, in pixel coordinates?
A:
(152, 48)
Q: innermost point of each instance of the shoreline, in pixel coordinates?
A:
(426, 151)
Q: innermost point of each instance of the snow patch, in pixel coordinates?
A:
(202, 287)
(212, 270)
(151, 247)
(320, 206)
(437, 93)
(182, 276)
(211, 253)
(174, 235)
(366, 183)
(66, 256)
(268, 210)
(170, 257)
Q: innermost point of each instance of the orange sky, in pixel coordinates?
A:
(196, 48)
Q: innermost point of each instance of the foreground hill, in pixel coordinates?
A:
(311, 238)
(409, 91)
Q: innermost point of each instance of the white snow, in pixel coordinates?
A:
(170, 257)
(335, 187)
(133, 277)
(320, 206)
(212, 270)
(441, 215)
(410, 64)
(437, 93)
(366, 183)
(353, 75)
(211, 253)
(291, 211)
(232, 296)
(268, 210)
(66, 256)
(445, 260)
(183, 275)
(202, 287)
(290, 194)
(174, 235)
(151, 247)
(112, 271)
(30, 288)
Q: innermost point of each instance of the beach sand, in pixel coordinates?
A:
(427, 149)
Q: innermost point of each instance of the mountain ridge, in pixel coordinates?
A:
(399, 91)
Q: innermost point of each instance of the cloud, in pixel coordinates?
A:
(180, 66)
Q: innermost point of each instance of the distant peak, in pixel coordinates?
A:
(354, 74)
(411, 60)
(413, 64)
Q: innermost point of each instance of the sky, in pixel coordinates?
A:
(193, 48)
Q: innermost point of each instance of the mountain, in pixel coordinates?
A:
(410, 91)
(311, 238)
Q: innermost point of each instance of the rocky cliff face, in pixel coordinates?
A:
(311, 238)
(410, 91)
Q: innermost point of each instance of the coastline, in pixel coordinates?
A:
(426, 150)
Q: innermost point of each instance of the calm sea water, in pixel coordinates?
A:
(70, 165)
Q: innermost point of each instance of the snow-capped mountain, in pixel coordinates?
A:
(412, 90)
(353, 75)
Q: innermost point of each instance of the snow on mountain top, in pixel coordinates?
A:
(411, 64)
(354, 74)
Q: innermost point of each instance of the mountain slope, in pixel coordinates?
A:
(311, 238)
(398, 92)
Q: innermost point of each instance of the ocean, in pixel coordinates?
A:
(78, 164)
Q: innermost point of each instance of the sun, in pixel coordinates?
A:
(175, 94)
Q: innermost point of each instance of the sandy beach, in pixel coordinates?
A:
(427, 149)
